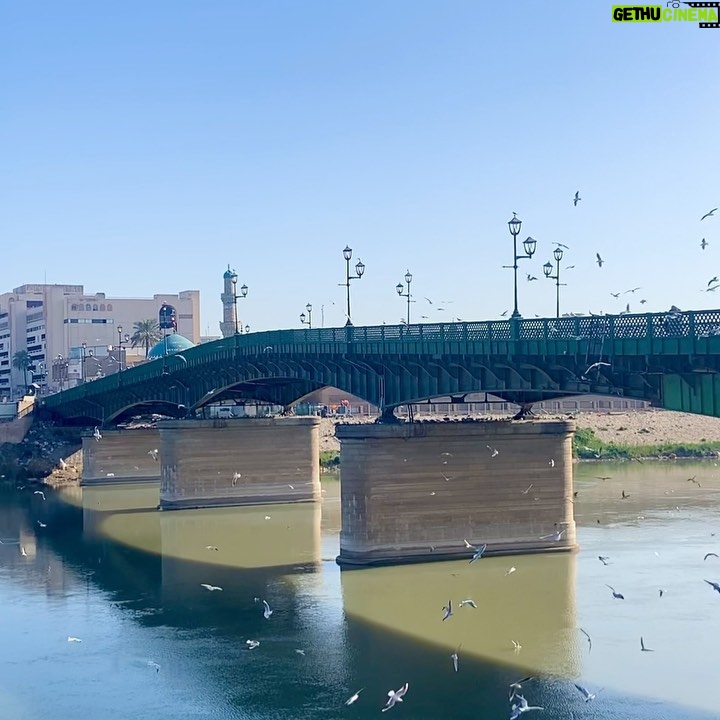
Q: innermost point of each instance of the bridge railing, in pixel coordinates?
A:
(377, 338)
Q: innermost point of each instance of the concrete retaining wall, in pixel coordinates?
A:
(121, 456)
(277, 460)
(414, 492)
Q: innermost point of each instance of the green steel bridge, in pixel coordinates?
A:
(670, 359)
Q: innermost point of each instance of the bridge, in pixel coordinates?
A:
(670, 359)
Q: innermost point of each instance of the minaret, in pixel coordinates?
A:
(227, 326)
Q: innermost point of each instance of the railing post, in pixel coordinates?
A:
(691, 324)
(650, 326)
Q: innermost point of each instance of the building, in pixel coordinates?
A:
(231, 323)
(71, 335)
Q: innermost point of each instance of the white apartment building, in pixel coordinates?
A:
(52, 322)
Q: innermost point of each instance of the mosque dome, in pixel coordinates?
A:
(175, 344)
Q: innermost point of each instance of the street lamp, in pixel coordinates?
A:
(529, 245)
(122, 339)
(243, 294)
(60, 370)
(359, 269)
(247, 329)
(399, 288)
(547, 269)
(307, 322)
(83, 348)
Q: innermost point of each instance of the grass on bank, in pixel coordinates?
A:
(588, 446)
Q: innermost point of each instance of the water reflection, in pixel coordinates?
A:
(126, 579)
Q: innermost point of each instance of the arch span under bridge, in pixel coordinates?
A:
(671, 359)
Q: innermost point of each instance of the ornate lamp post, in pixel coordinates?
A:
(307, 322)
(243, 294)
(85, 354)
(247, 329)
(122, 339)
(529, 246)
(399, 288)
(547, 269)
(359, 269)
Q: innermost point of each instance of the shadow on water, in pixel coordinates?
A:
(375, 628)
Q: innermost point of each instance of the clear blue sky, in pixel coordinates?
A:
(146, 145)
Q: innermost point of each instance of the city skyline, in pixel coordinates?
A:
(146, 148)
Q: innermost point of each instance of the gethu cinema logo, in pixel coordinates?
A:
(705, 13)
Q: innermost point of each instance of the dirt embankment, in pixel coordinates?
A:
(633, 427)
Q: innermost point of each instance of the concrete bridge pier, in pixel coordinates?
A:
(415, 492)
(209, 463)
(120, 456)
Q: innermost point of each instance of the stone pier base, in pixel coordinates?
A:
(416, 492)
(207, 463)
(120, 456)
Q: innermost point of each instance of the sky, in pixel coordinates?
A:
(146, 145)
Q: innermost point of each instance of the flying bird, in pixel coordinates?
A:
(211, 547)
(493, 451)
(73, 639)
(587, 635)
(517, 647)
(615, 295)
(642, 646)
(447, 610)
(527, 489)
(603, 559)
(478, 554)
(153, 454)
(624, 495)
(504, 314)
(596, 365)
(554, 536)
(600, 261)
(620, 596)
(561, 245)
(40, 493)
(632, 290)
(693, 480)
(522, 707)
(713, 280)
(704, 243)
(510, 571)
(714, 585)
(469, 602)
(454, 657)
(531, 277)
(517, 685)
(395, 696)
(211, 588)
(708, 214)
(96, 434)
(354, 698)
(585, 692)
(577, 198)
(267, 612)
(252, 644)
(235, 478)
(710, 555)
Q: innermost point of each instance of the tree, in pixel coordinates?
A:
(22, 361)
(146, 333)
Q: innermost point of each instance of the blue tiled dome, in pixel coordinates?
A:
(175, 344)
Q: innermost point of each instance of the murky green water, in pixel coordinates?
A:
(126, 580)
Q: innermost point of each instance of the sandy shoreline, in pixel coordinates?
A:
(633, 427)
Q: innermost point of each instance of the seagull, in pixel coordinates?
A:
(517, 647)
(585, 692)
(569, 267)
(551, 463)
(527, 490)
(600, 261)
(493, 451)
(708, 214)
(504, 314)
(395, 696)
(517, 685)
(211, 588)
(41, 524)
(704, 243)
(642, 646)
(632, 290)
(73, 639)
(469, 602)
(577, 198)
(96, 434)
(211, 547)
(267, 612)
(354, 698)
(522, 707)
(619, 596)
(22, 551)
(252, 644)
(714, 585)
(587, 635)
(603, 559)
(63, 464)
(236, 477)
(429, 300)
(712, 289)
(693, 480)
(40, 493)
(447, 610)
(555, 536)
(153, 454)
(596, 365)
(624, 495)
(510, 571)
(710, 555)
(603, 477)
(454, 657)
(300, 652)
(615, 295)
(153, 664)
(531, 277)
(662, 592)
(713, 280)
(478, 553)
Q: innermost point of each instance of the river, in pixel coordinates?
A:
(101, 565)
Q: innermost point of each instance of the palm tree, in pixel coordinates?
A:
(22, 361)
(147, 333)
